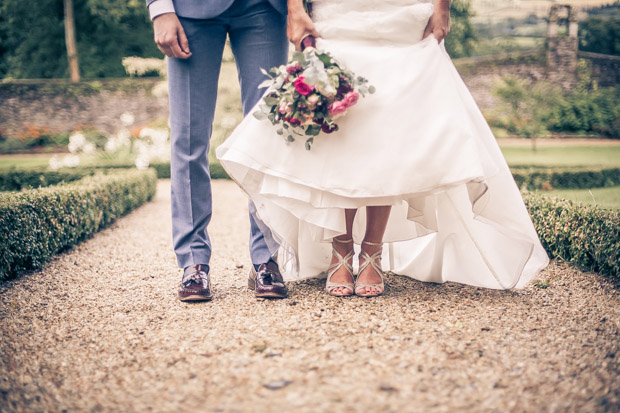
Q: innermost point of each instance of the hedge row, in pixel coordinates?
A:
(17, 179)
(533, 178)
(35, 224)
(584, 235)
(163, 169)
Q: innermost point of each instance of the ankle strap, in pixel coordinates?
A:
(343, 241)
(376, 244)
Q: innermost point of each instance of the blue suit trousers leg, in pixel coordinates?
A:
(258, 40)
(258, 37)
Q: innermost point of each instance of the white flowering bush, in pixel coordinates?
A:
(141, 148)
(140, 66)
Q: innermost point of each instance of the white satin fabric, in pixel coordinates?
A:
(419, 144)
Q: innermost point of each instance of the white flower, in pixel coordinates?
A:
(112, 144)
(127, 119)
(76, 142)
(55, 163)
(71, 161)
(142, 162)
(160, 90)
(88, 147)
(123, 136)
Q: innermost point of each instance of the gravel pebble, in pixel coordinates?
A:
(100, 328)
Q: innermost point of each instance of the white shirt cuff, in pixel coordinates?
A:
(159, 7)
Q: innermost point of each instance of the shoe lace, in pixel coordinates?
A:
(194, 278)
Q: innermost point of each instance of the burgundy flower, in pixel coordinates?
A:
(329, 128)
(293, 121)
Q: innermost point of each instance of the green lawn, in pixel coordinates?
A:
(25, 161)
(575, 155)
(604, 197)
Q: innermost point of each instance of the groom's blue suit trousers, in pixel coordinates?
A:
(257, 35)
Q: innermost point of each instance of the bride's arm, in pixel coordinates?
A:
(299, 23)
(439, 23)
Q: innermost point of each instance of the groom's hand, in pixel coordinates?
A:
(299, 26)
(170, 36)
(438, 25)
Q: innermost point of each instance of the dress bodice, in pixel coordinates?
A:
(385, 21)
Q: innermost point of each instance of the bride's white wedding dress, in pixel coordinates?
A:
(419, 144)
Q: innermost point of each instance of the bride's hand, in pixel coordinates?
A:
(299, 26)
(438, 25)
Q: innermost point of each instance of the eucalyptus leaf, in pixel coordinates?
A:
(309, 142)
(260, 115)
(280, 131)
(290, 138)
(265, 83)
(269, 100)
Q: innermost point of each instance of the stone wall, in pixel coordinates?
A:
(63, 106)
(481, 73)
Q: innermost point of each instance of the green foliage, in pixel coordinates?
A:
(524, 104)
(600, 34)
(462, 39)
(16, 180)
(38, 223)
(33, 43)
(565, 178)
(583, 235)
(533, 107)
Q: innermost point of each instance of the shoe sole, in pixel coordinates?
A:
(252, 286)
(196, 298)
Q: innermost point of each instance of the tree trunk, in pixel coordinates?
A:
(72, 53)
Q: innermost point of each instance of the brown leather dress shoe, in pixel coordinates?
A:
(196, 284)
(267, 282)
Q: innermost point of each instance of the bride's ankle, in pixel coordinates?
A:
(371, 246)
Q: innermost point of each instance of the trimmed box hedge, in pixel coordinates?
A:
(163, 169)
(35, 224)
(18, 179)
(583, 235)
(533, 178)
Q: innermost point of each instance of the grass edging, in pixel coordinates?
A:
(36, 224)
(584, 235)
(546, 179)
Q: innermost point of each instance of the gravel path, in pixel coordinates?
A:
(100, 329)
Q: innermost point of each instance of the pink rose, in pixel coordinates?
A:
(351, 98)
(302, 87)
(313, 100)
(285, 107)
(337, 109)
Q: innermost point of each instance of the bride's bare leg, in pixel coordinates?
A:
(376, 221)
(342, 275)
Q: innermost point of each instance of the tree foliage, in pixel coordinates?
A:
(462, 39)
(600, 35)
(33, 43)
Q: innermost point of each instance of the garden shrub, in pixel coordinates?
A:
(533, 178)
(36, 224)
(583, 235)
(18, 179)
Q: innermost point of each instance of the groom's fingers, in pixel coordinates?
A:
(183, 42)
(170, 36)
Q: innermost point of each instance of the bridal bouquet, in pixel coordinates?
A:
(307, 95)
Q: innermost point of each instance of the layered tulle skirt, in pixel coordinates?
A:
(419, 144)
